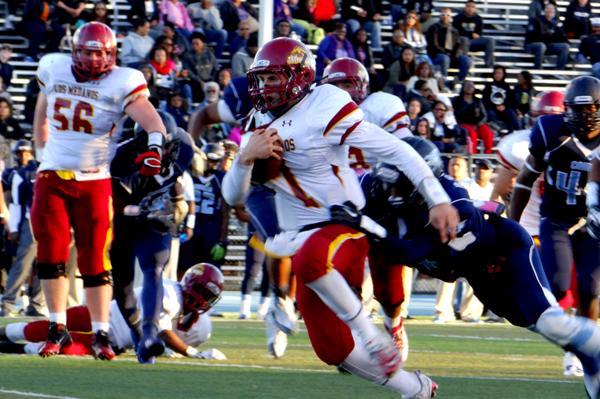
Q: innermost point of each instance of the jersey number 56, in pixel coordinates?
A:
(81, 111)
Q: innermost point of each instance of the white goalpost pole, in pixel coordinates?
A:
(265, 20)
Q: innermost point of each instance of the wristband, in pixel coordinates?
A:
(433, 192)
(191, 351)
(190, 222)
(156, 139)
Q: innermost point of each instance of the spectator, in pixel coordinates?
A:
(206, 17)
(179, 43)
(498, 85)
(137, 44)
(481, 188)
(470, 114)
(20, 189)
(283, 28)
(200, 65)
(334, 46)
(165, 72)
(401, 8)
(590, 47)
(175, 12)
(149, 75)
(281, 11)
(303, 14)
(67, 12)
(502, 119)
(414, 37)
(424, 71)
(364, 54)
(178, 108)
(234, 11)
(400, 72)
(536, 8)
(98, 14)
(240, 37)
(323, 13)
(545, 37)
(224, 78)
(470, 27)
(445, 136)
(577, 19)
(413, 110)
(366, 14)
(143, 9)
(423, 93)
(39, 28)
(6, 69)
(242, 60)
(3, 93)
(9, 126)
(523, 94)
(391, 51)
(422, 129)
(218, 131)
(445, 47)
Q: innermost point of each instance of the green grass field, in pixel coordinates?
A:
(467, 361)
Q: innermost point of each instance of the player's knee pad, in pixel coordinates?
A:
(51, 271)
(569, 331)
(104, 278)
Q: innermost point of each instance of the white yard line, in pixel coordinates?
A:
(34, 395)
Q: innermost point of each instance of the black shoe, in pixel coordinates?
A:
(58, 337)
(33, 312)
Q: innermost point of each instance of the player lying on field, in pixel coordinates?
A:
(496, 256)
(183, 323)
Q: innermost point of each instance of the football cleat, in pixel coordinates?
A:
(284, 315)
(101, 348)
(276, 339)
(572, 365)
(148, 349)
(58, 337)
(428, 387)
(263, 308)
(384, 352)
(400, 339)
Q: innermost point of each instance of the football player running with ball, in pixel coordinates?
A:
(316, 126)
(82, 98)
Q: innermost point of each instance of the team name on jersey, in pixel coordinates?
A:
(583, 166)
(76, 91)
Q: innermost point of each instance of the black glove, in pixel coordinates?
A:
(346, 214)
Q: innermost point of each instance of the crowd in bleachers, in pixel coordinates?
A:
(189, 51)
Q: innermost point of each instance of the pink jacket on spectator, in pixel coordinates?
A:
(176, 13)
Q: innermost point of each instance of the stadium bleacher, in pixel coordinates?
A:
(505, 20)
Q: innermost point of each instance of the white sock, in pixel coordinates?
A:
(391, 322)
(33, 348)
(246, 302)
(335, 292)
(58, 317)
(15, 331)
(100, 326)
(360, 363)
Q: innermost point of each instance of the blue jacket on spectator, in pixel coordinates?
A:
(328, 49)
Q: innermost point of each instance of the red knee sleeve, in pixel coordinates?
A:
(387, 282)
(36, 331)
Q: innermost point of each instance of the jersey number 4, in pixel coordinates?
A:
(569, 184)
(81, 111)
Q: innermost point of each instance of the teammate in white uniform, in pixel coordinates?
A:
(182, 335)
(315, 127)
(82, 99)
(391, 285)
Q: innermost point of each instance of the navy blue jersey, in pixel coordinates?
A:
(209, 200)
(568, 164)
(415, 243)
(236, 97)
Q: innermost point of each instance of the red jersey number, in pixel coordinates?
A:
(81, 112)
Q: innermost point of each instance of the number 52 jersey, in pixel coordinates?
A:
(82, 115)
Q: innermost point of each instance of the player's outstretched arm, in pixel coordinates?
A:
(202, 118)
(143, 112)
(176, 344)
(40, 122)
(522, 191)
(371, 138)
(503, 185)
(262, 144)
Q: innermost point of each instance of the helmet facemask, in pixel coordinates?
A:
(583, 120)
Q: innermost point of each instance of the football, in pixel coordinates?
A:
(267, 169)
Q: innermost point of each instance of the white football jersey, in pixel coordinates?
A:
(82, 116)
(512, 153)
(120, 334)
(386, 111)
(316, 133)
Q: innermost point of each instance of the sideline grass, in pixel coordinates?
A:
(468, 361)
